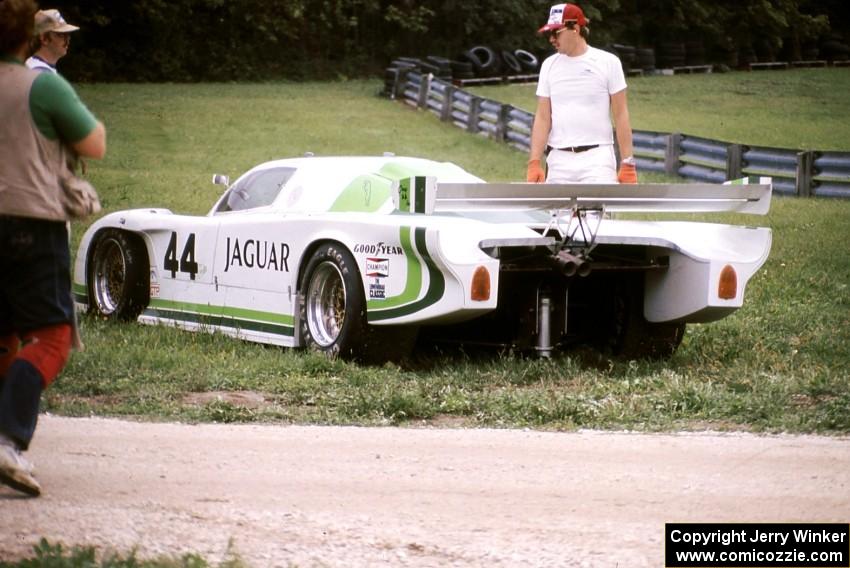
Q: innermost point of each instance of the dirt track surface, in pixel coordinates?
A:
(323, 496)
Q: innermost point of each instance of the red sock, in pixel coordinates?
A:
(47, 350)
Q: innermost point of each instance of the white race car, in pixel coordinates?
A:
(356, 255)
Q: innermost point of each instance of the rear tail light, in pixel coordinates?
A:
(480, 288)
(727, 288)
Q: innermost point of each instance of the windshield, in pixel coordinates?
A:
(257, 189)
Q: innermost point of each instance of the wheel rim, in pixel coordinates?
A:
(110, 272)
(326, 304)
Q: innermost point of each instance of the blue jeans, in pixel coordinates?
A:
(35, 292)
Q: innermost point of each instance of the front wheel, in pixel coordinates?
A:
(118, 275)
(333, 313)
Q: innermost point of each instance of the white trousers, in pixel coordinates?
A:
(597, 165)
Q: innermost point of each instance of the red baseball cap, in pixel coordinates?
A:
(559, 14)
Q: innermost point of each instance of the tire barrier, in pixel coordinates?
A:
(511, 63)
(794, 172)
(485, 61)
(528, 61)
(481, 64)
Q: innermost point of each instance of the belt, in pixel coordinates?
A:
(577, 149)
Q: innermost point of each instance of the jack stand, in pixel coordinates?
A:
(544, 327)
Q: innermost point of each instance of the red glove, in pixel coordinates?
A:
(535, 173)
(627, 173)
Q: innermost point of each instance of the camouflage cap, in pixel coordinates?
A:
(52, 21)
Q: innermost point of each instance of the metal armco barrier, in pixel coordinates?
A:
(794, 172)
(650, 149)
(702, 159)
(778, 163)
(518, 128)
(830, 174)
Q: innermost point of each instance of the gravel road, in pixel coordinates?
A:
(332, 496)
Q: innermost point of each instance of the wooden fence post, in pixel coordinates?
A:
(448, 99)
(474, 111)
(805, 172)
(502, 124)
(400, 81)
(424, 90)
(734, 161)
(672, 153)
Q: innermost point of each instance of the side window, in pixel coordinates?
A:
(255, 190)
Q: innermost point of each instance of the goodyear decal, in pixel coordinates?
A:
(380, 247)
(409, 301)
(220, 316)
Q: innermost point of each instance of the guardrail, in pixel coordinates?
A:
(807, 173)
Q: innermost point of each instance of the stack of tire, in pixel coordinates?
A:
(627, 55)
(746, 55)
(835, 48)
(489, 62)
(480, 61)
(645, 59)
(440, 67)
(695, 53)
(670, 54)
(395, 67)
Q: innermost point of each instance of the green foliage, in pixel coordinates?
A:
(223, 40)
(47, 555)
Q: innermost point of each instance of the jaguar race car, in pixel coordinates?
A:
(355, 256)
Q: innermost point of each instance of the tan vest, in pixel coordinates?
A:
(29, 162)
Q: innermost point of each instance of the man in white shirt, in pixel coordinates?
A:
(52, 38)
(579, 88)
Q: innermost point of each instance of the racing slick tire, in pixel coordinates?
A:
(631, 336)
(118, 276)
(333, 313)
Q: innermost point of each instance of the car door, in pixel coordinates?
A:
(253, 257)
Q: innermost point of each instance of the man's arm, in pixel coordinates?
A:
(93, 145)
(622, 123)
(541, 128)
(627, 172)
(539, 137)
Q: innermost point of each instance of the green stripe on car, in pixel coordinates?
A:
(436, 285)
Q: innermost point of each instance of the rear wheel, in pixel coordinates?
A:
(118, 276)
(631, 336)
(333, 313)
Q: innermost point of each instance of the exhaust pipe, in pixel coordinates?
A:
(570, 264)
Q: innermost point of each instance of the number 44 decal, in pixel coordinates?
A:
(187, 257)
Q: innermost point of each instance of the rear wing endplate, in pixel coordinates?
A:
(425, 195)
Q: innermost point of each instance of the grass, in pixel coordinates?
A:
(779, 364)
(47, 555)
(799, 108)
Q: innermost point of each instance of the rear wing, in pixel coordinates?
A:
(427, 195)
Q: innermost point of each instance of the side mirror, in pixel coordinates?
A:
(221, 179)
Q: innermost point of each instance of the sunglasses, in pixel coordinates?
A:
(568, 25)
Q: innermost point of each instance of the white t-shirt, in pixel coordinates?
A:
(40, 64)
(580, 90)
